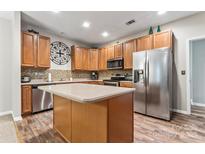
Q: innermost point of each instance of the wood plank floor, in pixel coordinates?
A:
(198, 111)
(182, 128)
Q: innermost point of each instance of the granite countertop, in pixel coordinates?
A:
(86, 93)
(41, 82)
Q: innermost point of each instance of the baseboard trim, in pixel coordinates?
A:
(180, 111)
(6, 113)
(11, 112)
(198, 104)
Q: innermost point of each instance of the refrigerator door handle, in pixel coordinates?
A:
(147, 71)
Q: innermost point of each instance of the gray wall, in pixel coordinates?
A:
(198, 71)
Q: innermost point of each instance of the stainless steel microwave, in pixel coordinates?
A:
(116, 63)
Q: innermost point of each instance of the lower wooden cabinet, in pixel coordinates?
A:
(127, 84)
(26, 93)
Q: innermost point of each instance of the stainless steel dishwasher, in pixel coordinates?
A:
(41, 100)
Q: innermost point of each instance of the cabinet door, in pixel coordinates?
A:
(29, 47)
(85, 59)
(26, 99)
(102, 59)
(43, 54)
(145, 43)
(118, 50)
(129, 48)
(93, 59)
(110, 52)
(163, 39)
(77, 57)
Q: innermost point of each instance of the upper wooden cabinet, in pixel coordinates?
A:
(110, 52)
(162, 39)
(129, 48)
(84, 59)
(118, 51)
(43, 56)
(35, 50)
(29, 48)
(76, 58)
(145, 43)
(102, 60)
(93, 59)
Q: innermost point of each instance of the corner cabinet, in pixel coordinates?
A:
(128, 48)
(26, 102)
(35, 50)
(84, 59)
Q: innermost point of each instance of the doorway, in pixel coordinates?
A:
(196, 76)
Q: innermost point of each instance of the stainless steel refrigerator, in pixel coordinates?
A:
(152, 76)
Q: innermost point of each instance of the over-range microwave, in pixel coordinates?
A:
(116, 63)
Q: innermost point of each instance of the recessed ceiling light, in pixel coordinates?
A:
(55, 11)
(105, 34)
(86, 24)
(161, 12)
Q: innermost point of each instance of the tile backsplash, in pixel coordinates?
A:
(67, 74)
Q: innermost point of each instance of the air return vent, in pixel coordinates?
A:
(130, 22)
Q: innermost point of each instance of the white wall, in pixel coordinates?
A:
(54, 37)
(10, 89)
(5, 65)
(16, 65)
(183, 29)
(198, 71)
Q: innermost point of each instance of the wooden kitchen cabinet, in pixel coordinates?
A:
(85, 57)
(127, 84)
(43, 52)
(110, 52)
(162, 39)
(145, 43)
(26, 103)
(102, 59)
(129, 48)
(118, 51)
(93, 59)
(29, 48)
(76, 58)
(35, 50)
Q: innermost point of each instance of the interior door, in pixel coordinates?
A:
(158, 87)
(139, 70)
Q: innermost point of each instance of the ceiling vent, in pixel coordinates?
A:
(130, 22)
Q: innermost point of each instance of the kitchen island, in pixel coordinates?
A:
(92, 113)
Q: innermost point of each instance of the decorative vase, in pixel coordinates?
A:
(158, 28)
(150, 30)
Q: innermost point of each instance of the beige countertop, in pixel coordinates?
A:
(86, 93)
(41, 82)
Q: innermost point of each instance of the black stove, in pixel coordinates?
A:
(115, 80)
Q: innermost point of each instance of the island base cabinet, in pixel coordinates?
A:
(110, 120)
(120, 123)
(62, 117)
(89, 122)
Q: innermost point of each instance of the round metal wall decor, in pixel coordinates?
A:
(60, 53)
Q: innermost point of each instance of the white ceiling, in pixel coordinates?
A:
(70, 23)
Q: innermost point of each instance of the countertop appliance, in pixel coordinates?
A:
(152, 76)
(41, 100)
(116, 63)
(94, 75)
(115, 80)
(25, 79)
